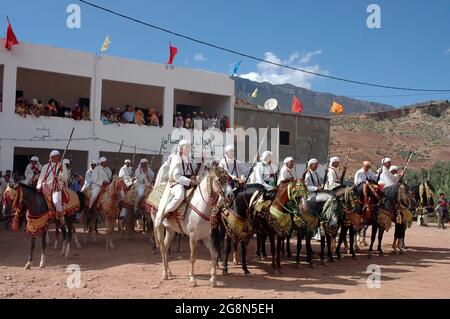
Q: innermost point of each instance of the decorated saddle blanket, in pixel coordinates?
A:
(36, 225)
(131, 196)
(70, 200)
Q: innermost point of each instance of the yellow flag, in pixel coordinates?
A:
(337, 108)
(105, 45)
(255, 93)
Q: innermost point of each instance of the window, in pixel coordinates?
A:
(285, 138)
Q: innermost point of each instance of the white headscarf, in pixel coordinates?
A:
(287, 160)
(312, 161)
(265, 155)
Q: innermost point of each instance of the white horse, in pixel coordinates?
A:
(209, 196)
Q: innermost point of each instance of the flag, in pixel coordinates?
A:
(297, 106)
(106, 44)
(337, 108)
(235, 69)
(255, 93)
(173, 51)
(10, 37)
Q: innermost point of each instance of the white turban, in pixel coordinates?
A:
(312, 161)
(228, 148)
(393, 168)
(184, 142)
(144, 160)
(93, 162)
(54, 153)
(66, 161)
(334, 159)
(127, 161)
(35, 158)
(287, 160)
(265, 155)
(385, 160)
(102, 159)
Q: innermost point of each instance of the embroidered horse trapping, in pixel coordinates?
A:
(37, 225)
(384, 219)
(156, 195)
(131, 196)
(279, 221)
(236, 227)
(407, 216)
(71, 203)
(306, 221)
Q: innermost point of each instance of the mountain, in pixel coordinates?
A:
(314, 103)
(422, 128)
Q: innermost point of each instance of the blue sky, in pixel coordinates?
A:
(412, 48)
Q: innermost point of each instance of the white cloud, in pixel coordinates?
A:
(277, 75)
(199, 57)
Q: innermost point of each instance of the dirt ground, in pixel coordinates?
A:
(132, 271)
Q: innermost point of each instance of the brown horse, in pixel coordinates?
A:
(108, 205)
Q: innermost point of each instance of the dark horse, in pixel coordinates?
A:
(38, 218)
(236, 234)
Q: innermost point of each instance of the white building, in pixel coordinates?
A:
(42, 72)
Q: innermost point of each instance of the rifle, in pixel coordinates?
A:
(325, 177)
(65, 150)
(307, 159)
(256, 157)
(406, 166)
(115, 161)
(345, 165)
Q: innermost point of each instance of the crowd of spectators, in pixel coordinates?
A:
(187, 121)
(131, 116)
(37, 108)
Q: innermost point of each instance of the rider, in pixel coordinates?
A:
(333, 179)
(66, 162)
(365, 174)
(386, 177)
(144, 177)
(313, 181)
(101, 177)
(181, 176)
(232, 166)
(163, 172)
(287, 172)
(264, 173)
(126, 172)
(88, 177)
(52, 179)
(33, 171)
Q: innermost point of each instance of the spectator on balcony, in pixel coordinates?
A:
(179, 120)
(53, 107)
(104, 118)
(61, 109)
(139, 117)
(160, 118)
(85, 114)
(188, 123)
(38, 108)
(21, 108)
(153, 117)
(128, 115)
(77, 115)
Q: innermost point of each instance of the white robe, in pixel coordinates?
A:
(48, 180)
(332, 179)
(29, 172)
(387, 178)
(163, 174)
(262, 174)
(99, 175)
(361, 176)
(285, 174)
(87, 179)
(233, 167)
(144, 179)
(312, 181)
(126, 173)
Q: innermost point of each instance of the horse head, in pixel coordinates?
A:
(219, 184)
(119, 188)
(405, 197)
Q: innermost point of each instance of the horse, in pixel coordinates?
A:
(39, 215)
(272, 214)
(107, 205)
(235, 226)
(206, 200)
(395, 205)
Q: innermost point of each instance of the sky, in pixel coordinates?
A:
(411, 49)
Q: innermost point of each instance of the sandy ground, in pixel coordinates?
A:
(132, 271)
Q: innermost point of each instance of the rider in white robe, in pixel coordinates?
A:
(333, 179)
(126, 172)
(144, 178)
(33, 170)
(264, 172)
(163, 173)
(88, 176)
(101, 177)
(386, 177)
(287, 172)
(233, 166)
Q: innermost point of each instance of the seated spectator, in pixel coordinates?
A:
(77, 115)
(188, 122)
(153, 117)
(61, 109)
(53, 107)
(85, 114)
(179, 120)
(104, 118)
(139, 117)
(160, 118)
(128, 115)
(21, 108)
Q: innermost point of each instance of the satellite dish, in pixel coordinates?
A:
(260, 107)
(271, 104)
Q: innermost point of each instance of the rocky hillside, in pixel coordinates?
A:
(424, 129)
(314, 103)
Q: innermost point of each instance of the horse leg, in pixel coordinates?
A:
(44, 245)
(299, 248)
(227, 254)
(263, 245)
(55, 246)
(352, 234)
(193, 246)
(342, 236)
(179, 237)
(213, 268)
(322, 250)
(329, 249)
(280, 241)
(235, 248)
(69, 237)
(64, 236)
(288, 244)
(372, 238)
(309, 251)
(258, 245)
(30, 257)
(402, 238)
(273, 251)
(170, 234)
(244, 258)
(380, 238)
(75, 237)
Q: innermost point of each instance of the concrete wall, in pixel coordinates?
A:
(92, 136)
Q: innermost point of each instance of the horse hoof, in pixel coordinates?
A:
(165, 276)
(213, 283)
(402, 251)
(247, 273)
(354, 257)
(311, 265)
(27, 266)
(179, 257)
(225, 272)
(370, 256)
(381, 253)
(170, 273)
(192, 283)
(324, 263)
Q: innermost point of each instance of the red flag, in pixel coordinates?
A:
(296, 105)
(173, 52)
(10, 37)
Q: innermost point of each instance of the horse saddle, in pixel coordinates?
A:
(70, 201)
(153, 200)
